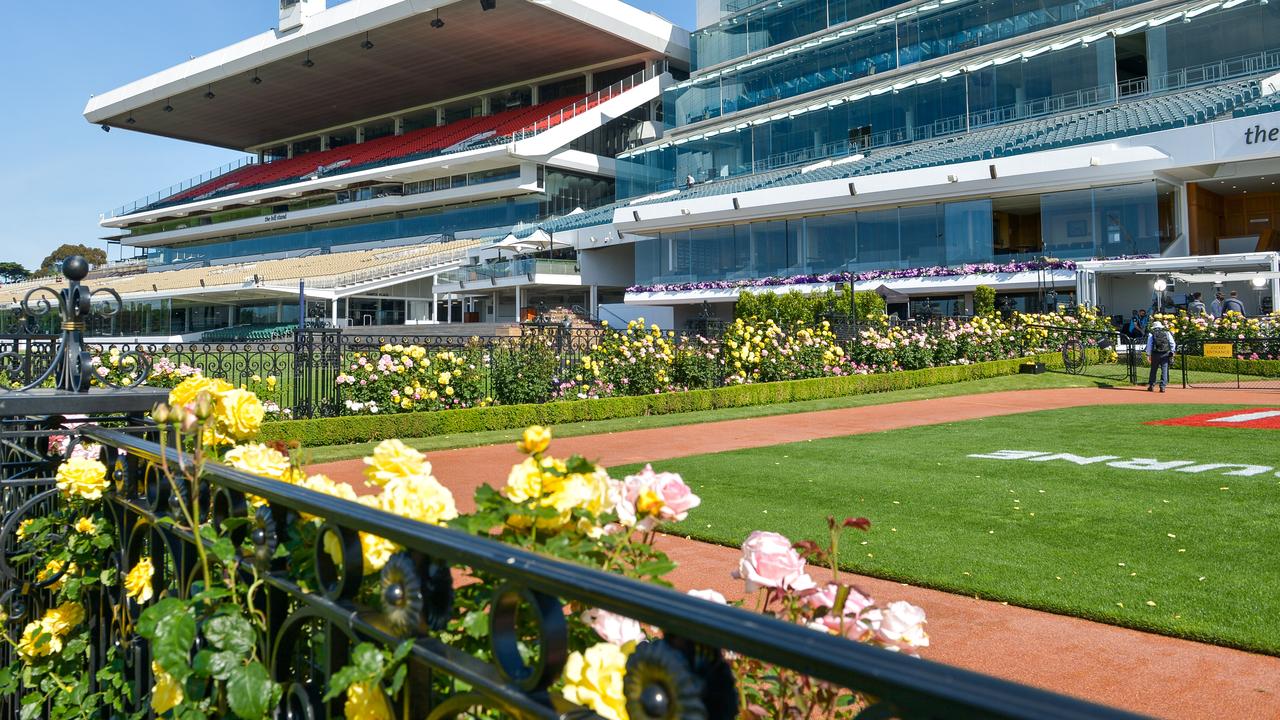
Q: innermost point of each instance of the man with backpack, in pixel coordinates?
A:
(1160, 350)
(1233, 304)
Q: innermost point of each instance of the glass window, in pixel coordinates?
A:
(878, 240)
(967, 229)
(830, 242)
(1127, 219)
(1068, 224)
(920, 236)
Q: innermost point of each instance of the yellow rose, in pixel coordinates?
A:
(21, 532)
(54, 569)
(535, 441)
(167, 693)
(37, 641)
(420, 497)
(366, 701)
(594, 680)
(188, 390)
(137, 584)
(258, 459)
(83, 478)
(393, 459)
(271, 382)
(86, 525)
(524, 483)
(240, 414)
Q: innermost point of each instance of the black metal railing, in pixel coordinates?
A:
(444, 679)
(1090, 352)
(1249, 363)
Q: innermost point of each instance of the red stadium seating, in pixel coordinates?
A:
(422, 142)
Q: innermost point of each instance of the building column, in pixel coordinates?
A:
(533, 95)
(449, 308)
(439, 116)
(518, 304)
(591, 80)
(398, 125)
(435, 300)
(324, 142)
(1275, 285)
(486, 106)
(593, 303)
(333, 311)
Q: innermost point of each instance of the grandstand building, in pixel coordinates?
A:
(465, 161)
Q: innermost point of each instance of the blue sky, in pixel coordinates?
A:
(59, 173)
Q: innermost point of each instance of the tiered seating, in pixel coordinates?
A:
(1099, 125)
(414, 145)
(332, 268)
(1259, 105)
(250, 333)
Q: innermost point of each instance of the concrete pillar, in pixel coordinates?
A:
(439, 116)
(399, 125)
(591, 82)
(486, 106)
(533, 94)
(1275, 285)
(518, 303)
(435, 300)
(359, 134)
(449, 308)
(324, 142)
(333, 311)
(288, 151)
(594, 302)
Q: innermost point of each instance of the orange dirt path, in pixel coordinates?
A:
(1141, 672)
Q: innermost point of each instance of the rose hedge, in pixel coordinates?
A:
(346, 430)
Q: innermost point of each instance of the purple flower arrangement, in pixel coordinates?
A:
(844, 277)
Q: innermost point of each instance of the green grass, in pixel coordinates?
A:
(1091, 541)
(445, 442)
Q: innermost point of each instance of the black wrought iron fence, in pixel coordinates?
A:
(1250, 363)
(1102, 354)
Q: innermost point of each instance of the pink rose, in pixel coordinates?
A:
(613, 628)
(825, 597)
(899, 627)
(768, 560)
(709, 596)
(649, 497)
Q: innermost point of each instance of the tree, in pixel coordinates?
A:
(50, 265)
(12, 272)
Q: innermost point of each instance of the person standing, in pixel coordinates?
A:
(1160, 349)
(1197, 308)
(1233, 304)
(1215, 307)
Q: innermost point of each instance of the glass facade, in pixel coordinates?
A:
(1077, 224)
(871, 48)
(1167, 57)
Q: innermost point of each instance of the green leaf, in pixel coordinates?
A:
(172, 630)
(232, 633)
(476, 624)
(250, 691)
(224, 550)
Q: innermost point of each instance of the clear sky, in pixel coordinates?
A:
(58, 172)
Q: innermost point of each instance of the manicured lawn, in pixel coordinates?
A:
(1190, 555)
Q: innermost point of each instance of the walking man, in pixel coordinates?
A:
(1160, 350)
(1215, 307)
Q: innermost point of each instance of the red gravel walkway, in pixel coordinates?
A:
(1138, 671)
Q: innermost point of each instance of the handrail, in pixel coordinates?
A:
(130, 208)
(358, 276)
(913, 686)
(649, 73)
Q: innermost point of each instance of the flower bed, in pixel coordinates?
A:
(207, 643)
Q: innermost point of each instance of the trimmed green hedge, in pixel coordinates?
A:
(364, 428)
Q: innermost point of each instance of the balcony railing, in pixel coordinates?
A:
(525, 267)
(157, 196)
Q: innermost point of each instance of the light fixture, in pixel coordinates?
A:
(487, 5)
(106, 128)
(168, 107)
(255, 79)
(131, 121)
(367, 44)
(1259, 282)
(208, 95)
(1160, 285)
(437, 23)
(308, 63)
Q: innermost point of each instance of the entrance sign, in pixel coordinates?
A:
(1219, 350)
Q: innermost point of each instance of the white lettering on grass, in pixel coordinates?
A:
(1075, 458)
(1149, 464)
(1247, 417)
(1143, 464)
(1009, 455)
(1244, 471)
